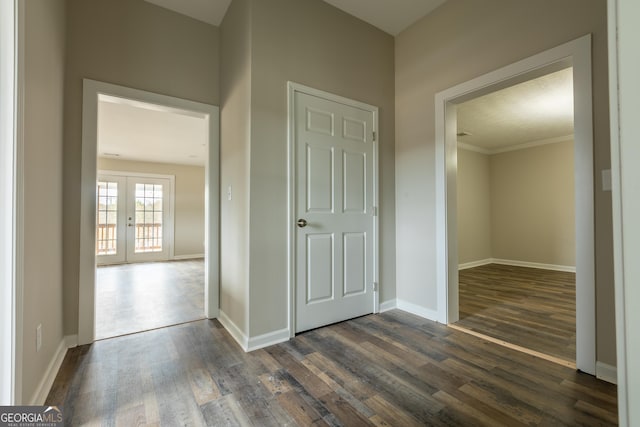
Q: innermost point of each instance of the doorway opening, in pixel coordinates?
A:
(152, 164)
(575, 55)
(515, 216)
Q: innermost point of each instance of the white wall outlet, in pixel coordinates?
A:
(39, 337)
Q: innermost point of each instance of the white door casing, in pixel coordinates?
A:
(92, 92)
(334, 208)
(576, 53)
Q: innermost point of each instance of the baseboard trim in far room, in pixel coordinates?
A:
(186, 257)
(516, 263)
(44, 386)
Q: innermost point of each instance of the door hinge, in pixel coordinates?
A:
(375, 286)
(374, 136)
(374, 210)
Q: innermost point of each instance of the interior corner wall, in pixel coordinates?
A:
(235, 131)
(311, 43)
(44, 53)
(189, 200)
(533, 205)
(135, 44)
(459, 41)
(474, 206)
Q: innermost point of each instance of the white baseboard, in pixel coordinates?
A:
(185, 257)
(271, 338)
(607, 373)
(472, 264)
(418, 310)
(234, 330)
(44, 387)
(516, 263)
(254, 343)
(388, 305)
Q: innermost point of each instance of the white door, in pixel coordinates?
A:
(334, 211)
(147, 209)
(132, 219)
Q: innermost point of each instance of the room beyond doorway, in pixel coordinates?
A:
(133, 298)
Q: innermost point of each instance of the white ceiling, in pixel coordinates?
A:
(131, 130)
(391, 16)
(538, 110)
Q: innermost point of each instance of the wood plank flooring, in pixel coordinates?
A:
(392, 369)
(529, 307)
(138, 297)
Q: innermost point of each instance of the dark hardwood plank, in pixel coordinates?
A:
(528, 307)
(393, 369)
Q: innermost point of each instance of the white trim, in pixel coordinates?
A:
(292, 88)
(266, 340)
(92, 90)
(516, 263)
(473, 264)
(418, 310)
(628, 386)
(516, 147)
(233, 329)
(171, 237)
(187, 257)
(606, 373)
(388, 305)
(576, 53)
(10, 55)
(44, 386)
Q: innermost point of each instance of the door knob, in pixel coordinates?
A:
(302, 222)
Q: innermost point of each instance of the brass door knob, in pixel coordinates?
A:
(302, 222)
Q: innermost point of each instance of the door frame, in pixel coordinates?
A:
(576, 53)
(92, 90)
(292, 88)
(170, 229)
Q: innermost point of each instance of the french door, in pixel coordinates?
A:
(132, 221)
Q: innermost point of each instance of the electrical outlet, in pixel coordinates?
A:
(39, 337)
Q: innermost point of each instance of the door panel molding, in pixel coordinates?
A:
(324, 123)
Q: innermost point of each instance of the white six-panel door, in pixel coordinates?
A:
(334, 211)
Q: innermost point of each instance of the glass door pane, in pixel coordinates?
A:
(148, 218)
(107, 218)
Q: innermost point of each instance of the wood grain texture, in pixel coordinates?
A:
(528, 307)
(392, 369)
(133, 298)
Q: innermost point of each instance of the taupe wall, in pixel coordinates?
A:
(189, 200)
(532, 205)
(43, 206)
(461, 40)
(135, 44)
(311, 43)
(517, 205)
(235, 130)
(474, 206)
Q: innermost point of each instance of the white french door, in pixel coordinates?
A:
(334, 211)
(133, 219)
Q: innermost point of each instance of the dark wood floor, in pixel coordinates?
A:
(139, 297)
(529, 307)
(392, 369)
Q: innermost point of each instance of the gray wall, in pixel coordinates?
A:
(42, 173)
(235, 150)
(135, 44)
(311, 43)
(461, 40)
